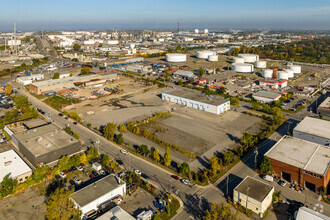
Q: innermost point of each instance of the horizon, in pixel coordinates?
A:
(37, 15)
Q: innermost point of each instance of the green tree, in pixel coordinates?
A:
(56, 75)
(8, 186)
(221, 90)
(217, 70)
(63, 163)
(167, 157)
(8, 90)
(228, 157)
(60, 206)
(214, 165)
(106, 160)
(107, 54)
(220, 211)
(277, 115)
(122, 128)
(21, 102)
(76, 46)
(92, 153)
(180, 82)
(248, 139)
(85, 70)
(266, 166)
(143, 150)
(184, 169)
(83, 158)
(119, 139)
(234, 101)
(155, 155)
(76, 135)
(201, 72)
(109, 130)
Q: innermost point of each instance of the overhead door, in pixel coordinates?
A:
(310, 186)
(286, 176)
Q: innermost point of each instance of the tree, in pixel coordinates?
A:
(60, 206)
(83, 158)
(63, 163)
(234, 101)
(180, 82)
(106, 160)
(109, 130)
(228, 157)
(220, 211)
(92, 153)
(214, 164)
(221, 90)
(248, 139)
(143, 150)
(21, 102)
(56, 75)
(85, 70)
(107, 54)
(277, 115)
(8, 186)
(200, 72)
(76, 135)
(119, 139)
(266, 166)
(217, 70)
(8, 90)
(122, 128)
(155, 155)
(167, 157)
(76, 46)
(184, 169)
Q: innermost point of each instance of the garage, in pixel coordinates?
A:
(286, 176)
(310, 186)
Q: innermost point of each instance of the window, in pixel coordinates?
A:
(257, 209)
(21, 179)
(26, 177)
(239, 200)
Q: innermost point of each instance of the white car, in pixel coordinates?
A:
(77, 180)
(123, 151)
(62, 175)
(138, 172)
(80, 168)
(185, 181)
(102, 172)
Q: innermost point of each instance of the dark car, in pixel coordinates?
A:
(73, 168)
(92, 176)
(95, 173)
(66, 117)
(60, 114)
(175, 177)
(75, 123)
(145, 176)
(119, 162)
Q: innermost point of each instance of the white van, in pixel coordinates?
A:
(268, 178)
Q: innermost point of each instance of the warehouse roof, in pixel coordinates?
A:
(11, 163)
(301, 154)
(30, 124)
(212, 100)
(306, 213)
(314, 126)
(268, 95)
(325, 103)
(258, 190)
(94, 191)
(116, 213)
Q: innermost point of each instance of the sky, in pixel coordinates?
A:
(164, 14)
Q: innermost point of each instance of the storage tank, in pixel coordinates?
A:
(267, 73)
(204, 54)
(242, 67)
(282, 75)
(176, 57)
(275, 69)
(260, 64)
(112, 42)
(249, 58)
(296, 69)
(290, 73)
(206, 31)
(213, 58)
(238, 60)
(196, 31)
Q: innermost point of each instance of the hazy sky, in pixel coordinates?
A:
(164, 14)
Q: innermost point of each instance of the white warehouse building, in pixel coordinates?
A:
(96, 194)
(26, 80)
(212, 104)
(313, 130)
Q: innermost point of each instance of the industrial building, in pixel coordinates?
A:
(102, 191)
(301, 162)
(26, 80)
(58, 84)
(212, 104)
(254, 194)
(266, 97)
(324, 108)
(116, 213)
(274, 84)
(310, 214)
(11, 163)
(313, 130)
(183, 74)
(41, 142)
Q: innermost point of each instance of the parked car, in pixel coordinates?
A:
(268, 178)
(282, 182)
(85, 171)
(95, 173)
(123, 151)
(102, 172)
(185, 181)
(80, 168)
(145, 176)
(75, 123)
(63, 175)
(137, 172)
(92, 176)
(60, 114)
(77, 180)
(175, 177)
(82, 165)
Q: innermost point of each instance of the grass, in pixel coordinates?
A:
(40, 96)
(58, 102)
(174, 206)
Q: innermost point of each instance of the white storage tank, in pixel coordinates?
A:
(290, 73)
(267, 73)
(176, 57)
(296, 69)
(242, 67)
(196, 31)
(260, 64)
(112, 42)
(204, 54)
(249, 58)
(238, 60)
(282, 75)
(213, 58)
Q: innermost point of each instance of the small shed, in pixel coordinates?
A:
(97, 166)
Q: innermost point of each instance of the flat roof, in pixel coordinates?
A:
(117, 213)
(302, 154)
(268, 95)
(11, 163)
(325, 103)
(306, 213)
(45, 139)
(212, 100)
(258, 190)
(96, 190)
(314, 126)
(30, 124)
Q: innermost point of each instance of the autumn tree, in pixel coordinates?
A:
(8, 90)
(167, 157)
(56, 75)
(85, 70)
(214, 164)
(220, 211)
(109, 130)
(155, 155)
(184, 169)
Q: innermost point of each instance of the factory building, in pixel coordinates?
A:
(324, 108)
(41, 142)
(274, 84)
(11, 163)
(254, 194)
(301, 162)
(58, 84)
(183, 74)
(212, 104)
(266, 97)
(26, 80)
(93, 196)
(313, 130)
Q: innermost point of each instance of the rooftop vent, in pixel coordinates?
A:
(39, 139)
(7, 163)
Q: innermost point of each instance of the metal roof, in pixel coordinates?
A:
(268, 95)
(314, 126)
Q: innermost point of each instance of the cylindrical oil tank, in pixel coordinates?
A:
(176, 57)
(249, 58)
(238, 60)
(242, 67)
(290, 73)
(204, 54)
(275, 69)
(282, 75)
(296, 69)
(213, 58)
(260, 64)
(267, 73)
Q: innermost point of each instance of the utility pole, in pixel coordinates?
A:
(255, 157)
(227, 185)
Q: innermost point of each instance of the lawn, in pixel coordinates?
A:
(58, 102)
(174, 206)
